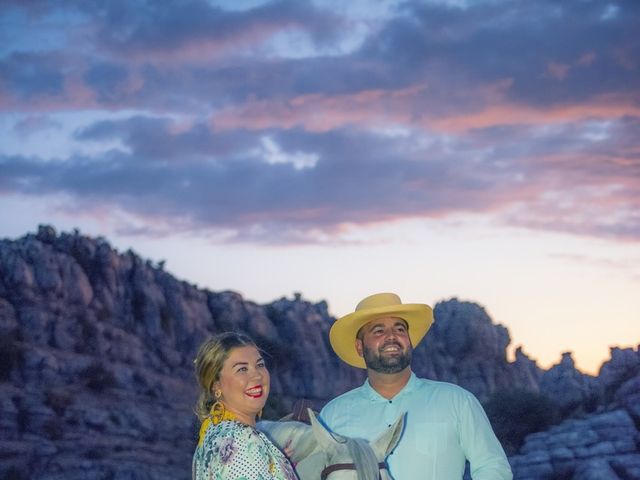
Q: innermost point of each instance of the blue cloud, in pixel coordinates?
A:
(439, 110)
(26, 75)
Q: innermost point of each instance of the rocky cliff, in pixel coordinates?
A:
(96, 351)
(601, 445)
(465, 347)
(96, 358)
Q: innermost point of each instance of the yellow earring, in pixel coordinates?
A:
(217, 409)
(217, 413)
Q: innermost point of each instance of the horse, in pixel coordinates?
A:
(318, 453)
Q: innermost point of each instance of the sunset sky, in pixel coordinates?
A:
(485, 150)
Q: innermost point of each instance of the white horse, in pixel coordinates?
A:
(320, 454)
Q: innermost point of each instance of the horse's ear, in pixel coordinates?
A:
(385, 443)
(323, 436)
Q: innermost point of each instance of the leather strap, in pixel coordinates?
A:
(329, 469)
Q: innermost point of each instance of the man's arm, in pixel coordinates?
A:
(480, 445)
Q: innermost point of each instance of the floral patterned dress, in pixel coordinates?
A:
(234, 451)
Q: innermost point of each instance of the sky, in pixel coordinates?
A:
(483, 150)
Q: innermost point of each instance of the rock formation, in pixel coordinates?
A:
(96, 351)
(568, 387)
(464, 347)
(96, 358)
(603, 445)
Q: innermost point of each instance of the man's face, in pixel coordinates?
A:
(385, 345)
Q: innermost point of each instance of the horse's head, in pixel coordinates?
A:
(342, 458)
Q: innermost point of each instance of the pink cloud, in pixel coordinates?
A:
(371, 108)
(317, 112)
(75, 95)
(586, 60)
(593, 195)
(608, 106)
(560, 71)
(557, 71)
(197, 50)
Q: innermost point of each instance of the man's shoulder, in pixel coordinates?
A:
(444, 388)
(355, 392)
(348, 396)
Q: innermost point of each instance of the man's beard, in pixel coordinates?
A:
(386, 364)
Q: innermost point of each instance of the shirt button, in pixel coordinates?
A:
(390, 401)
(389, 425)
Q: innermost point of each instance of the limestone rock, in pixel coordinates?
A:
(96, 367)
(465, 347)
(568, 387)
(601, 445)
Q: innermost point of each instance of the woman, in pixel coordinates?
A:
(234, 386)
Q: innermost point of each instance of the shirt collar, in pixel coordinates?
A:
(374, 396)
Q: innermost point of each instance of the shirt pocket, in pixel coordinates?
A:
(431, 438)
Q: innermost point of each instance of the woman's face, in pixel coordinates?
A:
(244, 383)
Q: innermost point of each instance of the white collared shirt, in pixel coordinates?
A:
(445, 425)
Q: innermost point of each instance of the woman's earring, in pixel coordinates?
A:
(217, 409)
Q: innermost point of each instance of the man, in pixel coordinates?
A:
(445, 424)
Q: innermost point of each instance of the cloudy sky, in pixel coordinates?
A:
(485, 150)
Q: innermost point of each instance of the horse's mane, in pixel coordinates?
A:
(298, 433)
(301, 435)
(364, 458)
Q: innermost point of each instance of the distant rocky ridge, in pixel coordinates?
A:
(96, 351)
(601, 445)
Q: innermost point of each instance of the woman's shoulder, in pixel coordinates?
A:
(230, 429)
(230, 432)
(222, 443)
(241, 451)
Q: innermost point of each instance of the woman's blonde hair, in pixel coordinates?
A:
(208, 363)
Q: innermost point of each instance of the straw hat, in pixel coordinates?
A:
(343, 332)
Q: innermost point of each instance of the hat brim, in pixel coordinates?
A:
(342, 335)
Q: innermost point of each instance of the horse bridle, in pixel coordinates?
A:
(329, 469)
